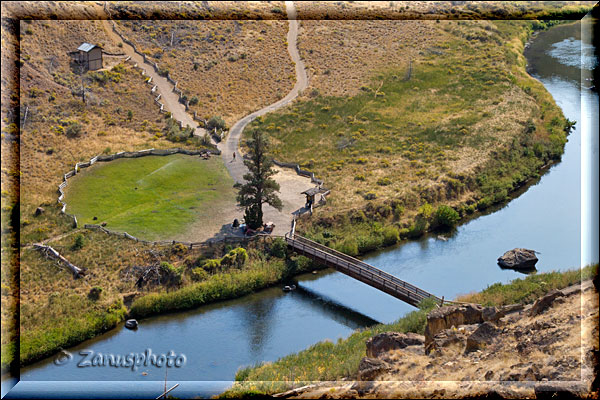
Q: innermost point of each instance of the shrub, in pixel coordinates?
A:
(78, 243)
(370, 196)
(390, 236)
(484, 203)
(359, 178)
(199, 274)
(349, 246)
(94, 293)
(398, 211)
(426, 210)
(216, 122)
(212, 265)
(279, 248)
(445, 217)
(417, 229)
(74, 130)
(384, 181)
(178, 248)
(369, 243)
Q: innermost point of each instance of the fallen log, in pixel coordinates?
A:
(49, 252)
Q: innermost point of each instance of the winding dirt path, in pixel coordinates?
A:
(290, 183)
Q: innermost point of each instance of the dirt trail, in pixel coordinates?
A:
(290, 187)
(163, 87)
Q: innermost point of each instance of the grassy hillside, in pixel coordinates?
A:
(461, 124)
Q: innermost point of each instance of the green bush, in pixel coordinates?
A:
(417, 229)
(199, 274)
(78, 242)
(349, 246)
(369, 243)
(212, 265)
(215, 122)
(390, 236)
(445, 217)
(279, 248)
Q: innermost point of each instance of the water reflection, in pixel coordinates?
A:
(334, 310)
(258, 318)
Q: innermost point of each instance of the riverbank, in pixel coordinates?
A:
(372, 236)
(327, 361)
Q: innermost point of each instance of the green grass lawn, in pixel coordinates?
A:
(150, 197)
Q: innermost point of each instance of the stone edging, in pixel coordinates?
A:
(122, 154)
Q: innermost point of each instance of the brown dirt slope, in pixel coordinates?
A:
(51, 91)
(230, 68)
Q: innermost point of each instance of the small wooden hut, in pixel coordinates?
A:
(311, 196)
(89, 55)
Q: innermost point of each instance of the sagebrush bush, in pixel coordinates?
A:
(445, 217)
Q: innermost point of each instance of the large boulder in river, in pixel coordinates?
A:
(518, 259)
(391, 341)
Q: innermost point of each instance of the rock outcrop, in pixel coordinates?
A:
(518, 259)
(482, 337)
(391, 341)
(449, 316)
(543, 303)
(369, 368)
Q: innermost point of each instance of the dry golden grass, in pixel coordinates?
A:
(342, 56)
(432, 10)
(232, 67)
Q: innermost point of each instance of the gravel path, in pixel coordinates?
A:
(169, 98)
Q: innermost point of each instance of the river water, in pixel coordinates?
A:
(217, 339)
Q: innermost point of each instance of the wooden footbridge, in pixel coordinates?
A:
(360, 270)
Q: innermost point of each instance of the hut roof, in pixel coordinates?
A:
(315, 190)
(86, 47)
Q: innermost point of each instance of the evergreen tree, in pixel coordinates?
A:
(259, 188)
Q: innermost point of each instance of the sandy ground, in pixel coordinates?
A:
(220, 227)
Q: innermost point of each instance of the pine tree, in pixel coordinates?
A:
(259, 188)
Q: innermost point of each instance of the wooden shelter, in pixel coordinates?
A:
(312, 193)
(89, 55)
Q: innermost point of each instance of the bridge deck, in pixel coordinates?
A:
(360, 270)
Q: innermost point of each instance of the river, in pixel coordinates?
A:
(217, 339)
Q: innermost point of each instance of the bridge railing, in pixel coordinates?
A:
(364, 265)
(359, 268)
